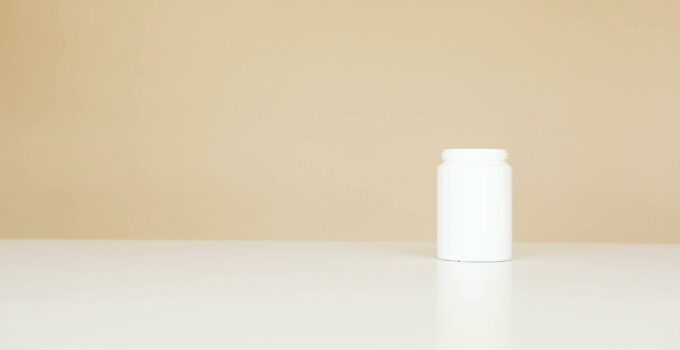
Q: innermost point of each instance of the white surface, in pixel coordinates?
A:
(474, 205)
(247, 295)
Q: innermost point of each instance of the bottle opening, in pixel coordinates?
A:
(484, 154)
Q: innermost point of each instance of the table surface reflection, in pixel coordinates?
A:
(309, 295)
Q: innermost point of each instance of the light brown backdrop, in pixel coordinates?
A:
(325, 119)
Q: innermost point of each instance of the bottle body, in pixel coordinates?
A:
(474, 205)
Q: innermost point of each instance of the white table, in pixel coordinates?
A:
(273, 295)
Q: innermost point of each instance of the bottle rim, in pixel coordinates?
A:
(484, 154)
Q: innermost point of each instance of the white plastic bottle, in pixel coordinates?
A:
(474, 205)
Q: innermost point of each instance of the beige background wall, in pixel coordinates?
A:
(325, 119)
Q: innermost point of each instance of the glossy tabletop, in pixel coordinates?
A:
(304, 295)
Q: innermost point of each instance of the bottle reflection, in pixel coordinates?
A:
(474, 305)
